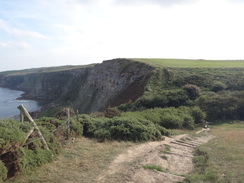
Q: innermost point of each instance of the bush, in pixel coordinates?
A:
(220, 107)
(182, 117)
(218, 86)
(198, 115)
(3, 171)
(49, 123)
(133, 129)
(76, 127)
(12, 132)
(124, 128)
(193, 91)
(165, 98)
(33, 158)
(25, 156)
(112, 112)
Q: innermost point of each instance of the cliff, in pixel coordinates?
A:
(89, 89)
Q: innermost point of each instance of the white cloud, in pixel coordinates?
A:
(21, 33)
(28, 34)
(77, 31)
(16, 45)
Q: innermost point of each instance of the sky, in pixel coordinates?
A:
(41, 33)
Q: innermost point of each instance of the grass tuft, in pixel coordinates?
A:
(154, 167)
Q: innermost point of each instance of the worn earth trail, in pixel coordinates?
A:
(88, 161)
(174, 155)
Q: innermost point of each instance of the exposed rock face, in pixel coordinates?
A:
(112, 83)
(89, 89)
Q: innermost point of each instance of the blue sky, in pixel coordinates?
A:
(40, 33)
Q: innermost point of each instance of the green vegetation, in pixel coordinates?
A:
(154, 167)
(187, 63)
(180, 95)
(3, 171)
(18, 154)
(42, 70)
(216, 88)
(81, 161)
(167, 148)
(143, 125)
(222, 158)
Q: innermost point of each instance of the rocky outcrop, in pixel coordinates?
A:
(89, 89)
(112, 83)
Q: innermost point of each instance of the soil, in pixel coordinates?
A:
(87, 161)
(174, 155)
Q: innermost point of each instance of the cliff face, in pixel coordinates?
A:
(89, 89)
(112, 83)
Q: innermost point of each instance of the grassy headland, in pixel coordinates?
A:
(190, 63)
(180, 94)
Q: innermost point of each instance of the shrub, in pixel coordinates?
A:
(198, 115)
(112, 112)
(26, 156)
(12, 132)
(218, 86)
(123, 128)
(220, 107)
(193, 91)
(49, 123)
(165, 98)
(33, 158)
(76, 127)
(132, 129)
(3, 171)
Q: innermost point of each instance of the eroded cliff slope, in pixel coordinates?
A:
(88, 89)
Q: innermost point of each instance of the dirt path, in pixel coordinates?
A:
(87, 161)
(173, 155)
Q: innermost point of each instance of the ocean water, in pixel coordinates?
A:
(9, 103)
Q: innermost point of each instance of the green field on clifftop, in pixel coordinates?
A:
(188, 63)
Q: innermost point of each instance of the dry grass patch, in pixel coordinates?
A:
(80, 162)
(226, 156)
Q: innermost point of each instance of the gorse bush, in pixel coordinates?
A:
(20, 155)
(162, 99)
(112, 112)
(182, 117)
(49, 123)
(12, 132)
(3, 171)
(143, 125)
(123, 128)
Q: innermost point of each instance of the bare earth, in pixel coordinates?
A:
(89, 161)
(174, 155)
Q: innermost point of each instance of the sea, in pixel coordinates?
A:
(9, 103)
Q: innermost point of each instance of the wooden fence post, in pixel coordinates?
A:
(21, 117)
(68, 123)
(27, 115)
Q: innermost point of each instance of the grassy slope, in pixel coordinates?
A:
(226, 155)
(86, 158)
(43, 70)
(187, 63)
(81, 161)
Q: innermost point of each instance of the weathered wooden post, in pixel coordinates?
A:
(68, 123)
(21, 117)
(35, 127)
